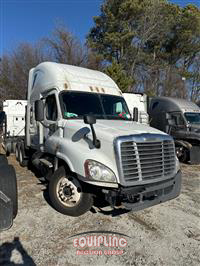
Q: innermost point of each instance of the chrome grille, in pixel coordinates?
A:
(142, 161)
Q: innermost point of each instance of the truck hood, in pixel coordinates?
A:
(108, 130)
(118, 127)
(195, 128)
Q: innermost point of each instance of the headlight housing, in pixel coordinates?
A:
(99, 172)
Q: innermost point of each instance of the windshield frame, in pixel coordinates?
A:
(196, 113)
(103, 116)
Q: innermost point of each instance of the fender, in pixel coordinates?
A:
(63, 157)
(183, 143)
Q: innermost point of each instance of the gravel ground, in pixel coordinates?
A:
(167, 234)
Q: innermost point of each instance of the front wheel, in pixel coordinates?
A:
(184, 155)
(66, 194)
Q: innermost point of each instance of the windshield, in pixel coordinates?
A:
(77, 104)
(193, 118)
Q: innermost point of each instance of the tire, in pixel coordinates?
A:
(22, 161)
(3, 160)
(7, 148)
(17, 152)
(7, 153)
(80, 203)
(8, 185)
(185, 156)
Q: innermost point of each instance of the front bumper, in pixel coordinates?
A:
(141, 197)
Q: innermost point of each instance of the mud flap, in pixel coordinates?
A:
(195, 155)
(6, 212)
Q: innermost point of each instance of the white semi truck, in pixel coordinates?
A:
(80, 133)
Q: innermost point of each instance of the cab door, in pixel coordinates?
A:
(179, 126)
(51, 116)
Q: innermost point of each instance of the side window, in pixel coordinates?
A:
(118, 108)
(51, 108)
(154, 105)
(179, 121)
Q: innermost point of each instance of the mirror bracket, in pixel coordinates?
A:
(90, 120)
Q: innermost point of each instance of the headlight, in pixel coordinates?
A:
(177, 164)
(98, 172)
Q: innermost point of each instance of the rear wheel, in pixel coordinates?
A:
(8, 185)
(66, 195)
(7, 148)
(22, 161)
(17, 152)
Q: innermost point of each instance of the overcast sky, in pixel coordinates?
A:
(30, 20)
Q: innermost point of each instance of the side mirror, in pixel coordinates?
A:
(39, 110)
(168, 116)
(89, 119)
(135, 114)
(171, 122)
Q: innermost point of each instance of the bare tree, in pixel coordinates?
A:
(195, 80)
(14, 69)
(62, 47)
(65, 48)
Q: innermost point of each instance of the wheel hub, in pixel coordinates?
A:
(68, 191)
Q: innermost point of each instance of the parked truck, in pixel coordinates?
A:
(138, 106)
(13, 123)
(79, 132)
(181, 119)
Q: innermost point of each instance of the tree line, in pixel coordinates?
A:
(150, 46)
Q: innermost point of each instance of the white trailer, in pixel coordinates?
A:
(79, 132)
(13, 124)
(139, 102)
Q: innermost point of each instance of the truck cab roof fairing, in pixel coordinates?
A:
(66, 77)
(175, 104)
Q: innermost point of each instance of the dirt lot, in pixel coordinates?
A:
(168, 234)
